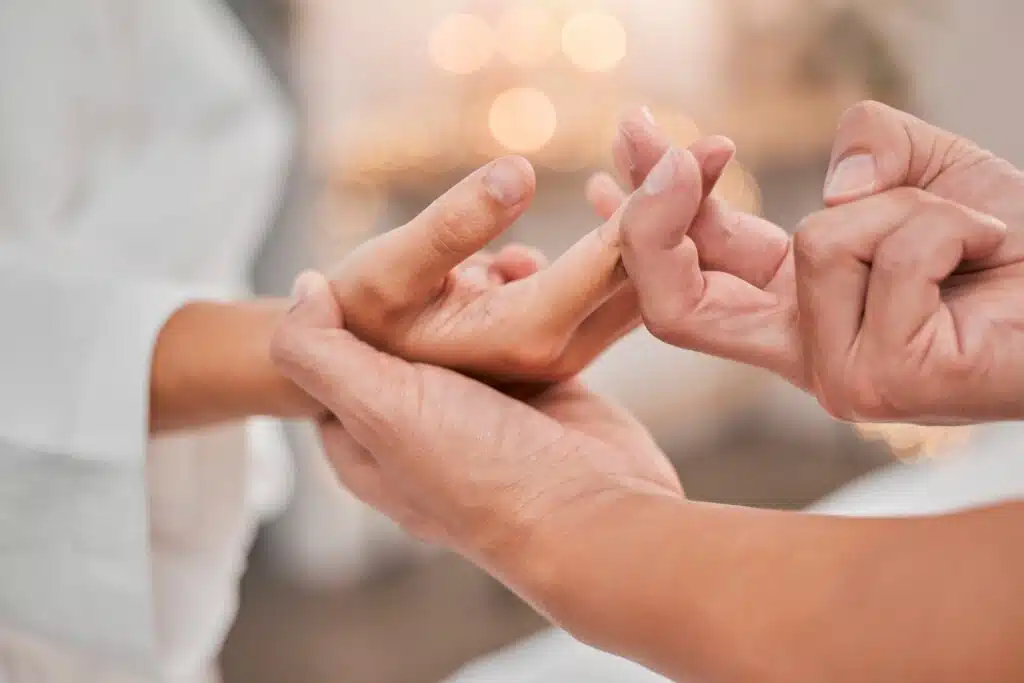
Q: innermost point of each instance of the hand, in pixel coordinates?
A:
(451, 459)
(898, 302)
(403, 293)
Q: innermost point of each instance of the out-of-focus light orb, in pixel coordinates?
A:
(462, 43)
(594, 41)
(523, 120)
(527, 35)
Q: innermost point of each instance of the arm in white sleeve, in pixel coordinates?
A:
(75, 352)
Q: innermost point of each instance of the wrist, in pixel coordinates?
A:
(553, 564)
(273, 394)
(212, 364)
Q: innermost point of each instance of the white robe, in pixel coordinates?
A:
(142, 154)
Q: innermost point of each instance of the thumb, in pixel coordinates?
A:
(878, 148)
(310, 306)
(361, 386)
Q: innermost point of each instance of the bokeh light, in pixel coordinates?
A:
(462, 43)
(594, 41)
(527, 35)
(523, 120)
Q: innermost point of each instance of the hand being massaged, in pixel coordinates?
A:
(427, 292)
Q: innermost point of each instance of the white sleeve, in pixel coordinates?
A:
(75, 353)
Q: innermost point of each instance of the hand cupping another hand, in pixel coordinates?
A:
(451, 459)
(899, 302)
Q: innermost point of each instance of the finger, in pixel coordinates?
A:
(590, 272)
(638, 146)
(354, 465)
(621, 313)
(477, 271)
(310, 307)
(355, 382)
(518, 261)
(362, 476)
(605, 195)
(641, 143)
(833, 250)
(619, 316)
(661, 260)
(580, 280)
(409, 265)
(909, 266)
(878, 148)
(751, 248)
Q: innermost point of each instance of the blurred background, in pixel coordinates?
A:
(398, 98)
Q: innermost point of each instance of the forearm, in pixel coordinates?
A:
(211, 364)
(728, 595)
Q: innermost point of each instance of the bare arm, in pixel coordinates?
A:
(211, 364)
(719, 594)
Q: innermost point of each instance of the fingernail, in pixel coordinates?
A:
(855, 175)
(507, 181)
(303, 287)
(663, 175)
(646, 112)
(716, 162)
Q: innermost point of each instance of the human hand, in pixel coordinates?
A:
(404, 292)
(896, 303)
(449, 458)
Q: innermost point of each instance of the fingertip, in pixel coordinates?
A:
(718, 153)
(604, 194)
(510, 181)
(313, 301)
(638, 145)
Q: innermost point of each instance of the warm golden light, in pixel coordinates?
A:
(462, 44)
(523, 119)
(527, 35)
(594, 41)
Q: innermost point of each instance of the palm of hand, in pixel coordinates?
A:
(582, 411)
(488, 328)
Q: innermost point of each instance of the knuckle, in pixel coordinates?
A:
(898, 255)
(914, 197)
(815, 244)
(451, 228)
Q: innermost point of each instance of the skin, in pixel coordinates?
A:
(898, 302)
(566, 499)
(423, 291)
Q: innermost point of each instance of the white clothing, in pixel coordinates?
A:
(142, 155)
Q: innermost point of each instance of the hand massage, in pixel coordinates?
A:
(441, 371)
(894, 303)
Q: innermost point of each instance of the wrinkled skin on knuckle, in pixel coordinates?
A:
(815, 246)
